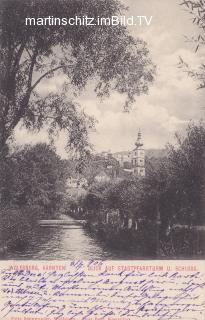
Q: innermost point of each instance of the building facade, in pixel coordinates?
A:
(133, 160)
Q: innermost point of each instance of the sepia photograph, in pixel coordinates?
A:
(102, 130)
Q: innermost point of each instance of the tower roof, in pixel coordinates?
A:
(139, 142)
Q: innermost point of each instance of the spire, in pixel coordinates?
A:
(139, 142)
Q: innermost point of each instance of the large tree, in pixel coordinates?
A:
(187, 174)
(29, 55)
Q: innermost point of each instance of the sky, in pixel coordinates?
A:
(172, 100)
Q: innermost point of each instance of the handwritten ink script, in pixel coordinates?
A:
(96, 290)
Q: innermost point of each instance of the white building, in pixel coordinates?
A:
(135, 158)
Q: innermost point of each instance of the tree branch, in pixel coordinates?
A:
(30, 76)
(44, 75)
(28, 52)
(18, 56)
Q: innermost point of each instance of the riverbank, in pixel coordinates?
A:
(140, 242)
(17, 227)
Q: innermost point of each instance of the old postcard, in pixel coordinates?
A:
(102, 159)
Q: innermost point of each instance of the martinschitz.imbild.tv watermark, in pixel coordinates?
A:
(89, 21)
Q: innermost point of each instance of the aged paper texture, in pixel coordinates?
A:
(102, 160)
(96, 290)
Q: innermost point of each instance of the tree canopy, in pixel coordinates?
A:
(108, 55)
(34, 176)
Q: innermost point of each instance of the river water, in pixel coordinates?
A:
(64, 242)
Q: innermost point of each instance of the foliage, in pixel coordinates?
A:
(156, 186)
(96, 196)
(108, 55)
(196, 8)
(126, 195)
(187, 174)
(174, 187)
(177, 183)
(32, 186)
(16, 225)
(96, 164)
(37, 179)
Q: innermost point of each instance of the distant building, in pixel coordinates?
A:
(138, 157)
(122, 157)
(102, 177)
(133, 161)
(105, 154)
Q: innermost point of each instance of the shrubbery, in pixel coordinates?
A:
(172, 190)
(32, 186)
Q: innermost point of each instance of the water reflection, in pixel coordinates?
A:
(65, 242)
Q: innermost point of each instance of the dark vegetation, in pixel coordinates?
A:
(32, 186)
(172, 193)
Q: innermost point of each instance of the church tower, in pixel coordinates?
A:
(138, 157)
